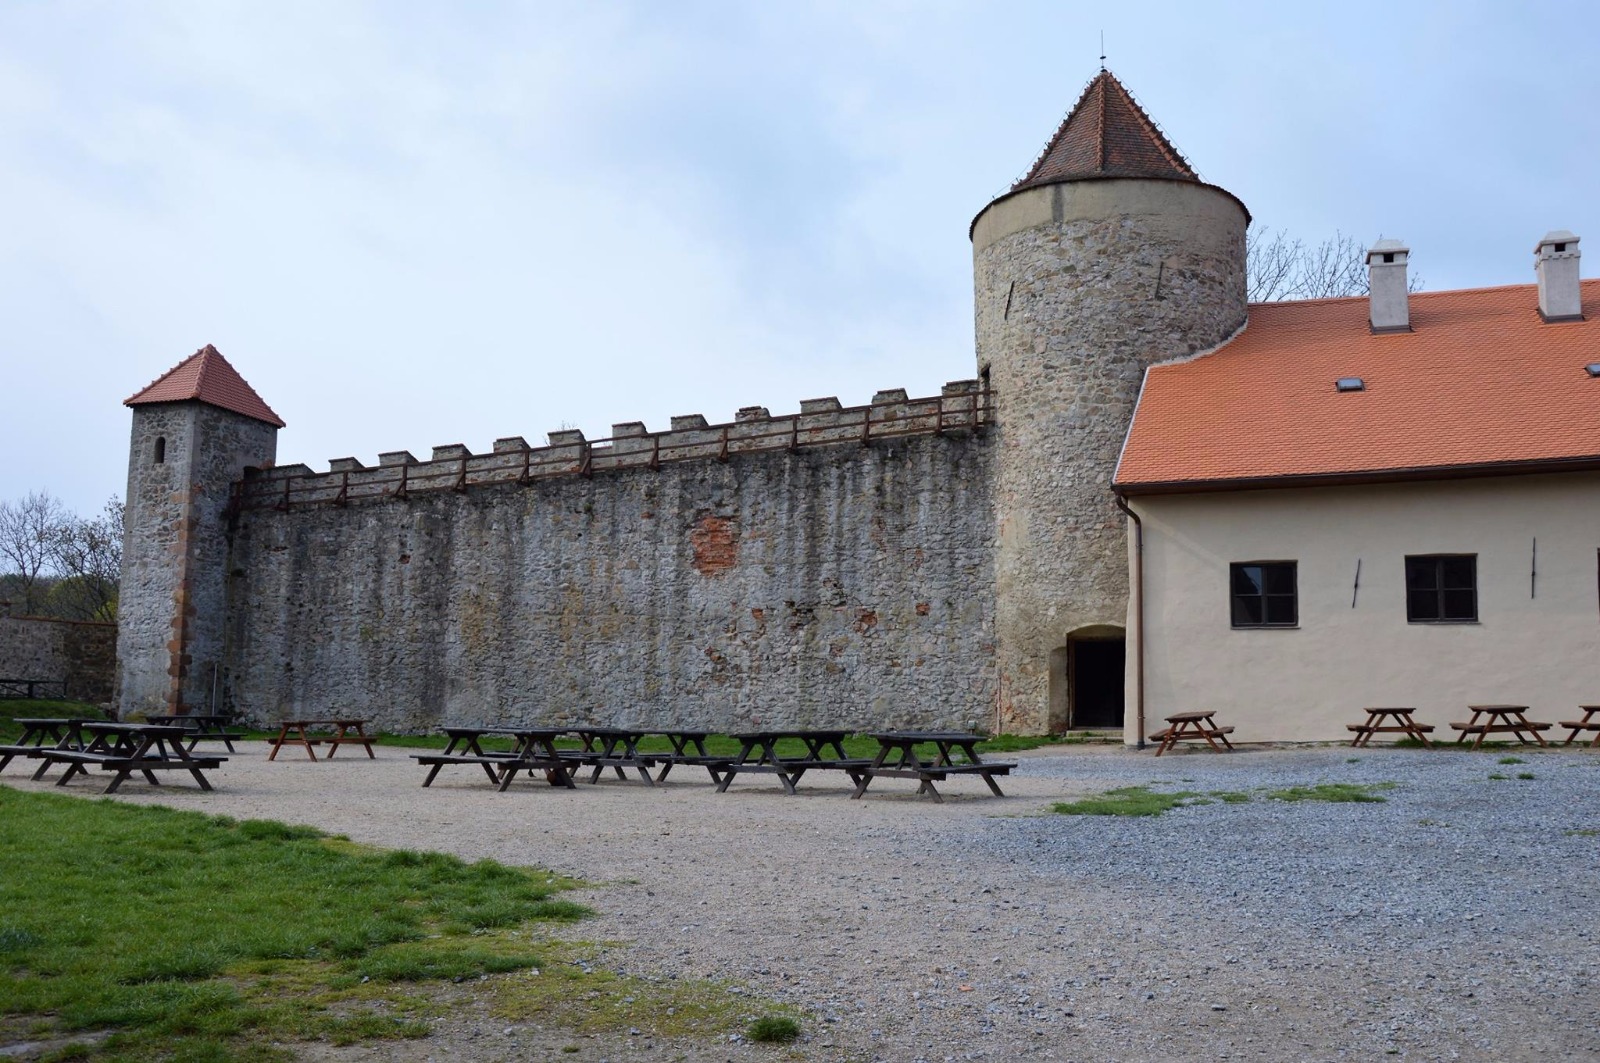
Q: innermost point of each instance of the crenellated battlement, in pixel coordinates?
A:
(962, 406)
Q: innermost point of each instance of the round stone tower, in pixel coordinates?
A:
(1109, 255)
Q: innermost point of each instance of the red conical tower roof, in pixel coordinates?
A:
(1107, 134)
(205, 376)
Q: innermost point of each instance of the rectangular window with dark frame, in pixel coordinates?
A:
(1264, 594)
(1441, 588)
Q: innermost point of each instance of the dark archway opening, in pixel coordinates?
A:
(1095, 672)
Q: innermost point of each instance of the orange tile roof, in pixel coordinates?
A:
(205, 376)
(1107, 134)
(1482, 384)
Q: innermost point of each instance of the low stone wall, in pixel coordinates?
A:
(83, 656)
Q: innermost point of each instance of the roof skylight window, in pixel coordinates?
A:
(1351, 383)
(1593, 369)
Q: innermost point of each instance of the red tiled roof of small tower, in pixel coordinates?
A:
(1106, 134)
(205, 376)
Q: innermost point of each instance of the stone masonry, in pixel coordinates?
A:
(1080, 286)
(172, 600)
(839, 585)
(79, 655)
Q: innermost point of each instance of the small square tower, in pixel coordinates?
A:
(195, 431)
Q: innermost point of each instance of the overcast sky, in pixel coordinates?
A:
(410, 224)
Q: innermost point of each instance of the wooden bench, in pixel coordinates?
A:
(127, 748)
(436, 761)
(789, 771)
(204, 728)
(1588, 723)
(1192, 727)
(713, 764)
(78, 763)
(927, 776)
(1402, 723)
(1499, 719)
(340, 726)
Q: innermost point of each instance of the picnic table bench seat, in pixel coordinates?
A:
(665, 762)
(9, 753)
(1490, 728)
(1161, 735)
(789, 770)
(1588, 723)
(77, 762)
(929, 774)
(1364, 728)
(436, 761)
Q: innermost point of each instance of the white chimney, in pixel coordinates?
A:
(1390, 306)
(1556, 263)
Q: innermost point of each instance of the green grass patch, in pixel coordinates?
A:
(1498, 775)
(1526, 775)
(40, 708)
(773, 1029)
(1333, 792)
(1511, 760)
(1128, 801)
(1142, 801)
(573, 991)
(1582, 833)
(199, 937)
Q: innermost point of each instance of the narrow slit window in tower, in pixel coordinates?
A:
(161, 450)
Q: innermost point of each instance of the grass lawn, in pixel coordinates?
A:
(193, 937)
(11, 708)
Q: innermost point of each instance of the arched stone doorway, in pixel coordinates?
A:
(1086, 679)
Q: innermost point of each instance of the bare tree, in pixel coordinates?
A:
(28, 531)
(1279, 267)
(87, 556)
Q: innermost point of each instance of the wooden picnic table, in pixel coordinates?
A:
(758, 753)
(955, 753)
(39, 734)
(125, 748)
(533, 750)
(688, 747)
(463, 747)
(1500, 719)
(332, 733)
(203, 727)
(1193, 727)
(1399, 721)
(31, 688)
(616, 748)
(1588, 723)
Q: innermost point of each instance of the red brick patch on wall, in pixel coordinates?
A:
(716, 545)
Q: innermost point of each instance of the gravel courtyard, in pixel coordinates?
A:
(1450, 922)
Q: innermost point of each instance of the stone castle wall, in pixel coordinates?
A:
(779, 571)
(81, 656)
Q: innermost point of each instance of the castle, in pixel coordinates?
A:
(956, 560)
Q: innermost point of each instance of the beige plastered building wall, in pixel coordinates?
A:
(1534, 642)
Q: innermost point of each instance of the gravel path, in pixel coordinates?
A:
(1449, 922)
